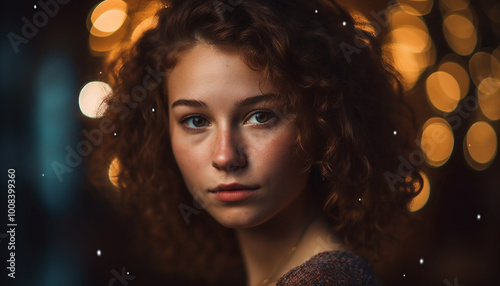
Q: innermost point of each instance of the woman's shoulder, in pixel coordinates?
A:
(331, 268)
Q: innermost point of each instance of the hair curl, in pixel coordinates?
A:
(346, 105)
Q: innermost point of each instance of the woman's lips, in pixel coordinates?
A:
(233, 192)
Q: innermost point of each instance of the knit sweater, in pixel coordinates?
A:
(335, 268)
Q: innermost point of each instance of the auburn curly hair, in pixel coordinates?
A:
(345, 97)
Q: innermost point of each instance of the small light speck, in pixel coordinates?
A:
(395, 132)
(114, 134)
(421, 261)
(128, 273)
(153, 109)
(359, 199)
(34, 6)
(469, 145)
(404, 275)
(344, 23)
(43, 175)
(100, 72)
(478, 217)
(98, 252)
(316, 11)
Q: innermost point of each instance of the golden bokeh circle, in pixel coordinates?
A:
(443, 91)
(481, 142)
(437, 141)
(459, 73)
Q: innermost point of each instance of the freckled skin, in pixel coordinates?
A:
(230, 148)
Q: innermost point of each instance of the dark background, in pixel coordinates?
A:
(61, 225)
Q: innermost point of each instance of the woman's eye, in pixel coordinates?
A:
(195, 122)
(260, 117)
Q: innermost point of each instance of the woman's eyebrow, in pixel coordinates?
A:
(256, 99)
(189, 102)
(244, 102)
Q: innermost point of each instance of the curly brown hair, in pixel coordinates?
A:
(345, 97)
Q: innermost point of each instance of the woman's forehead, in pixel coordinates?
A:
(206, 71)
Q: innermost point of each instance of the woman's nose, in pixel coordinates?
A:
(229, 153)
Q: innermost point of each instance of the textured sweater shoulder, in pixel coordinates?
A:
(331, 268)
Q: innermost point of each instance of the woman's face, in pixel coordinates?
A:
(232, 140)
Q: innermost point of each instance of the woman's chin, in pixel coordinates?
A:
(239, 219)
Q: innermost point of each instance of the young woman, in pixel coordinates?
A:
(259, 141)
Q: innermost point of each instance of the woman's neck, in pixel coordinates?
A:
(266, 249)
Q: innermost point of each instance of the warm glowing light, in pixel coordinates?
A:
(488, 86)
(419, 7)
(411, 47)
(459, 26)
(421, 199)
(145, 25)
(400, 18)
(437, 141)
(480, 67)
(443, 91)
(410, 65)
(91, 98)
(110, 21)
(488, 94)
(481, 142)
(459, 73)
(107, 17)
(411, 38)
(454, 5)
(102, 45)
(407, 63)
(114, 171)
(460, 34)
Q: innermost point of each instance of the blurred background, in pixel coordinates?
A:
(67, 234)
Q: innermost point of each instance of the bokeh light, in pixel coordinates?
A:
(488, 94)
(454, 5)
(101, 45)
(419, 8)
(481, 143)
(114, 171)
(411, 48)
(443, 91)
(110, 21)
(437, 141)
(459, 73)
(107, 17)
(421, 199)
(460, 34)
(91, 98)
(399, 18)
(480, 67)
(411, 38)
(106, 23)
